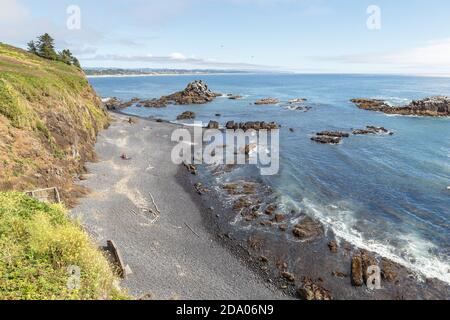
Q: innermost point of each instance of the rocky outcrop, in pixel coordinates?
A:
(312, 291)
(213, 125)
(252, 125)
(336, 137)
(308, 229)
(188, 115)
(267, 101)
(112, 103)
(438, 106)
(196, 92)
(296, 101)
(337, 134)
(117, 104)
(372, 130)
(327, 139)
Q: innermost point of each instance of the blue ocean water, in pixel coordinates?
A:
(384, 193)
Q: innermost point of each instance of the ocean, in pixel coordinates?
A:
(387, 194)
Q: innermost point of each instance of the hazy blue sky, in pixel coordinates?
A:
(296, 35)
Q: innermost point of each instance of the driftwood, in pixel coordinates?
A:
(49, 195)
(116, 258)
(192, 230)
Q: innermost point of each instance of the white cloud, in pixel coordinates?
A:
(431, 54)
(177, 56)
(12, 11)
(175, 59)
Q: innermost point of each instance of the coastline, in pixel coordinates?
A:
(165, 75)
(305, 260)
(171, 254)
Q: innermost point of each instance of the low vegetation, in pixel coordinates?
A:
(44, 47)
(40, 247)
(49, 120)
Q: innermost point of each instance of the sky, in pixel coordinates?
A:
(306, 36)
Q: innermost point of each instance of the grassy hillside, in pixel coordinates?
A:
(38, 244)
(49, 119)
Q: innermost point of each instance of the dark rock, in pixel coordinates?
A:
(388, 270)
(200, 188)
(372, 130)
(357, 271)
(438, 106)
(308, 229)
(299, 100)
(230, 125)
(333, 246)
(196, 92)
(213, 125)
(267, 101)
(188, 115)
(112, 103)
(326, 140)
(339, 274)
(153, 103)
(288, 276)
(251, 125)
(279, 218)
(270, 210)
(232, 97)
(191, 168)
(336, 134)
(312, 291)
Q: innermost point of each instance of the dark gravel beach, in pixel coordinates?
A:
(172, 255)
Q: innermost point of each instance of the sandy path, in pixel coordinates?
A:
(172, 256)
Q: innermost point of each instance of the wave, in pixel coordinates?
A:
(416, 254)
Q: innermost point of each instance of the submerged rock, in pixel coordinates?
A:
(267, 101)
(372, 130)
(299, 100)
(438, 106)
(337, 134)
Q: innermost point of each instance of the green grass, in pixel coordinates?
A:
(28, 83)
(38, 243)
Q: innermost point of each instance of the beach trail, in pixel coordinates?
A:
(140, 204)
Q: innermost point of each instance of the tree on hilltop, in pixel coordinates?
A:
(32, 47)
(46, 47)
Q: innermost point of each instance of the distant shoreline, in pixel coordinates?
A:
(164, 75)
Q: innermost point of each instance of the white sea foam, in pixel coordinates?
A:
(416, 255)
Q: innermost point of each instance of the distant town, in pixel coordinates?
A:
(149, 72)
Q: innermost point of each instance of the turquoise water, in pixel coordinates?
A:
(383, 193)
